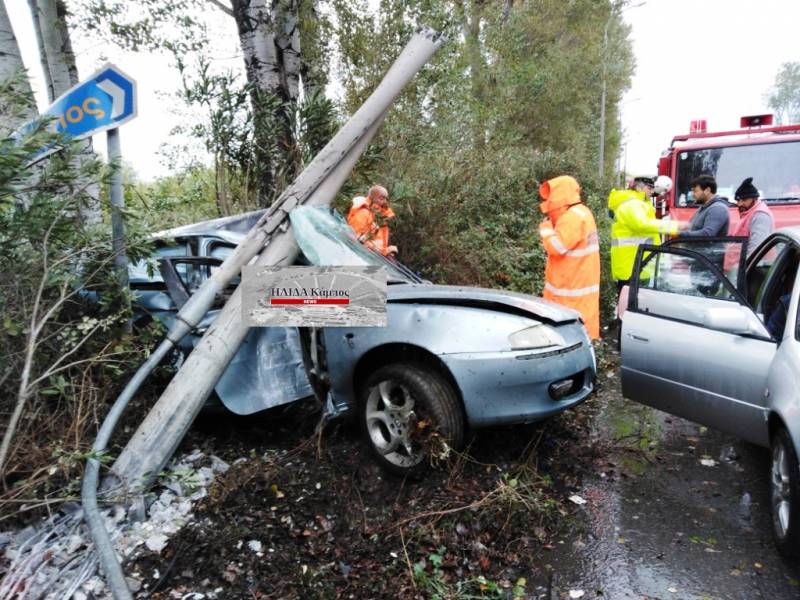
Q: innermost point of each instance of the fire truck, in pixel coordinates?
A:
(768, 153)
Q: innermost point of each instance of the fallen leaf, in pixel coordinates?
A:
(484, 562)
(577, 500)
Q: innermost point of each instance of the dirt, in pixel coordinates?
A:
(308, 516)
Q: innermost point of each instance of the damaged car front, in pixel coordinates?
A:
(450, 357)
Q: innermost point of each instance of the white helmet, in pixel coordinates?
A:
(663, 184)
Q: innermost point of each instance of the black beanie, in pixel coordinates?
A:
(746, 190)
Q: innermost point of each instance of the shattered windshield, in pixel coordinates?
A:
(773, 168)
(327, 240)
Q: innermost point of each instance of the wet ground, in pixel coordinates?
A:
(674, 510)
(660, 509)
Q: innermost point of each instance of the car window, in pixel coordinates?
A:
(683, 275)
(327, 240)
(761, 270)
(223, 251)
(777, 291)
(724, 253)
(146, 271)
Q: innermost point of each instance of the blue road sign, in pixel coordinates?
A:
(104, 101)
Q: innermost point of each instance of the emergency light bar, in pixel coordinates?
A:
(755, 121)
(698, 126)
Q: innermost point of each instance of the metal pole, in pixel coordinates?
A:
(601, 161)
(117, 223)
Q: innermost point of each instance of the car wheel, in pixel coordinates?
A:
(410, 417)
(785, 495)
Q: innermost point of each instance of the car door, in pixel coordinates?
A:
(268, 370)
(691, 344)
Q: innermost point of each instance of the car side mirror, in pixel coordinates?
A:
(734, 319)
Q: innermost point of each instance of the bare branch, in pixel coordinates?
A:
(226, 9)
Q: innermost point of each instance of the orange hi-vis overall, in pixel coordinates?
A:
(569, 235)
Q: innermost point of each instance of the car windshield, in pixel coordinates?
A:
(773, 168)
(327, 240)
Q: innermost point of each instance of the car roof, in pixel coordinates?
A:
(792, 232)
(231, 229)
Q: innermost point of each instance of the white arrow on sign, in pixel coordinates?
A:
(117, 96)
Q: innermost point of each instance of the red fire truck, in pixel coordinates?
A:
(767, 153)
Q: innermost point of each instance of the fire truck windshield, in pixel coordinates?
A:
(774, 167)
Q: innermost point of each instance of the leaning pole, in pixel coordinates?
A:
(272, 241)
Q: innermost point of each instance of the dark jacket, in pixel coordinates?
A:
(710, 220)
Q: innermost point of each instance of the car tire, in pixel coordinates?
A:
(785, 494)
(410, 417)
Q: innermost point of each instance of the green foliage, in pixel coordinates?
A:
(504, 105)
(784, 97)
(61, 305)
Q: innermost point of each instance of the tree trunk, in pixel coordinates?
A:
(313, 59)
(473, 13)
(270, 41)
(61, 73)
(10, 66)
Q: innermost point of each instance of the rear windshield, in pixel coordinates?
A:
(775, 169)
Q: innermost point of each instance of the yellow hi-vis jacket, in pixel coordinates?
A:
(634, 223)
(569, 235)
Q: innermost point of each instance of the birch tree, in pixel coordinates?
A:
(57, 58)
(11, 66)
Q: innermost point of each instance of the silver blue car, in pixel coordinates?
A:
(715, 339)
(450, 357)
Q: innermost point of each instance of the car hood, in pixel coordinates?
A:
(471, 296)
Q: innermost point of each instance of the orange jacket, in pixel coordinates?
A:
(569, 235)
(371, 227)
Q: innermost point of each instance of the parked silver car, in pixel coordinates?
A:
(450, 357)
(717, 341)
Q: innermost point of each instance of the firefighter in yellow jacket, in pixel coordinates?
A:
(569, 235)
(635, 223)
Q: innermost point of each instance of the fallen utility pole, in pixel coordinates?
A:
(168, 421)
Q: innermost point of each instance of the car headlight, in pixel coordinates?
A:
(538, 336)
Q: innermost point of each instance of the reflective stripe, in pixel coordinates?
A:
(547, 231)
(632, 241)
(572, 292)
(559, 247)
(583, 251)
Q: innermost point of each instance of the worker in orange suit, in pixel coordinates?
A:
(569, 235)
(370, 218)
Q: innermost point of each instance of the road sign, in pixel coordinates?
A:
(104, 101)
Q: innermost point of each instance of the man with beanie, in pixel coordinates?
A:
(755, 218)
(712, 218)
(569, 236)
(634, 223)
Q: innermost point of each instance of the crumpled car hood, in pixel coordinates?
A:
(473, 296)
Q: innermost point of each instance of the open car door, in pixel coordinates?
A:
(691, 344)
(267, 371)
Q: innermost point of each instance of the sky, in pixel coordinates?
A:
(711, 59)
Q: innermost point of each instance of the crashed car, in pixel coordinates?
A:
(450, 357)
(715, 339)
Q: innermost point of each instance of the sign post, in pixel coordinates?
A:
(100, 103)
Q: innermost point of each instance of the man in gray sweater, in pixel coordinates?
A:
(713, 217)
(710, 220)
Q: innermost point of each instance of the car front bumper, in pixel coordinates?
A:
(522, 386)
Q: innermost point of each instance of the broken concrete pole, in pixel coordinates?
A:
(165, 426)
